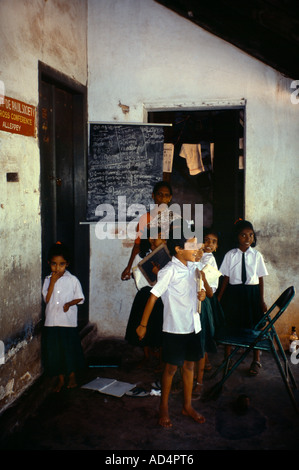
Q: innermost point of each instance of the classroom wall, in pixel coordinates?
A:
(142, 56)
(53, 32)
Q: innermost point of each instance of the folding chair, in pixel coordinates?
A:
(263, 337)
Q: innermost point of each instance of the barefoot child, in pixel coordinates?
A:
(62, 292)
(177, 286)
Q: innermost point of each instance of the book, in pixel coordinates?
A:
(152, 263)
(109, 386)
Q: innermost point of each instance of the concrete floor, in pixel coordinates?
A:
(82, 419)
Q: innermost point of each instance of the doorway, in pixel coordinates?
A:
(219, 185)
(62, 138)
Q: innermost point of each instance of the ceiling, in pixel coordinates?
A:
(266, 29)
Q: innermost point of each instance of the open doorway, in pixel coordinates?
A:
(62, 138)
(217, 136)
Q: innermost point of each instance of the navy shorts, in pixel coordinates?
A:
(177, 348)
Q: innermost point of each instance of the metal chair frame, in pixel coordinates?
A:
(262, 337)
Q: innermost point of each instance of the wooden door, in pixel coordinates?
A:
(63, 177)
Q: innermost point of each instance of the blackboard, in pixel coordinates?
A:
(124, 161)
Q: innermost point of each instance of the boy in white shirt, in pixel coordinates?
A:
(178, 288)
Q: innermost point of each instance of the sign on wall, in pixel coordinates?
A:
(17, 117)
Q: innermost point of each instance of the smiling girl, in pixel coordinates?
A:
(242, 290)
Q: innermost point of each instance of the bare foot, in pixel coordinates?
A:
(72, 381)
(60, 384)
(193, 414)
(165, 422)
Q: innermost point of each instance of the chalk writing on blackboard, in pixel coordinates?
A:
(124, 160)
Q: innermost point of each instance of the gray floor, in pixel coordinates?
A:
(82, 419)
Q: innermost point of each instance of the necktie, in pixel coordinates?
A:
(243, 269)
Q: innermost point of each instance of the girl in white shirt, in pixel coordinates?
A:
(213, 317)
(242, 296)
(62, 292)
(178, 288)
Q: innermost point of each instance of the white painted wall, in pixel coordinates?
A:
(144, 56)
(53, 32)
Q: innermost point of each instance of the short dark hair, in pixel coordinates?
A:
(162, 184)
(59, 249)
(176, 235)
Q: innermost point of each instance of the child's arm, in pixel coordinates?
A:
(67, 305)
(223, 287)
(141, 329)
(261, 284)
(209, 290)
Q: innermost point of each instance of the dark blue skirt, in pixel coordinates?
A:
(62, 351)
(153, 336)
(242, 305)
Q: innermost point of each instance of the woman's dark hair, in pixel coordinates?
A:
(162, 184)
(59, 249)
(177, 232)
(241, 225)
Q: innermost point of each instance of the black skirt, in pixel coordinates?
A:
(62, 351)
(242, 305)
(153, 336)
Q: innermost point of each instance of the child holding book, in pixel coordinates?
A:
(181, 323)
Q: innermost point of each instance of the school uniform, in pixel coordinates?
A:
(177, 287)
(61, 342)
(241, 301)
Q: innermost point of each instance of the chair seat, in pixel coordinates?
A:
(241, 337)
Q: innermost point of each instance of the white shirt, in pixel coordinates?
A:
(254, 262)
(177, 287)
(208, 258)
(66, 289)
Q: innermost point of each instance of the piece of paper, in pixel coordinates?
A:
(196, 322)
(168, 158)
(109, 386)
(211, 273)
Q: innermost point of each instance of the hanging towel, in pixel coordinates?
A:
(192, 154)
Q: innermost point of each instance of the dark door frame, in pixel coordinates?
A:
(81, 242)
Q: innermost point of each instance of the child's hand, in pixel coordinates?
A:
(55, 277)
(199, 253)
(66, 307)
(141, 330)
(201, 295)
(156, 268)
